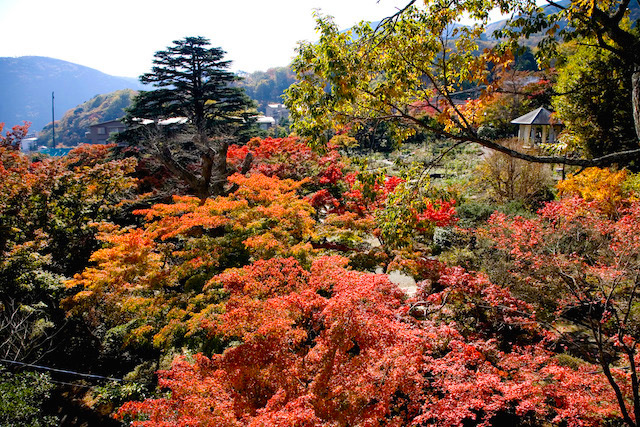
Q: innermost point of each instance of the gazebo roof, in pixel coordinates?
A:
(539, 116)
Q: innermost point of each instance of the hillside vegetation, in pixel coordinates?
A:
(70, 130)
(266, 87)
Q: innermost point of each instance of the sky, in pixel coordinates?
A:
(119, 37)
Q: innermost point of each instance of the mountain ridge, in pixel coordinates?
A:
(28, 82)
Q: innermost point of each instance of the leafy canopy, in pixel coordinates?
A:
(594, 89)
(412, 69)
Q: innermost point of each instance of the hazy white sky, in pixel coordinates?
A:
(119, 37)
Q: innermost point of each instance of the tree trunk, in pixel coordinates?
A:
(635, 98)
(219, 173)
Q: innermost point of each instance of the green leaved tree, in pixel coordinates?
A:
(593, 101)
(193, 115)
(416, 68)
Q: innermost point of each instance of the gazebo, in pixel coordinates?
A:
(534, 121)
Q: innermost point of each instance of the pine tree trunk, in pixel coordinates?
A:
(218, 179)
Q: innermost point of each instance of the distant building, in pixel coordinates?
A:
(100, 132)
(277, 111)
(265, 122)
(28, 144)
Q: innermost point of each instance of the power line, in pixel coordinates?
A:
(52, 381)
(62, 371)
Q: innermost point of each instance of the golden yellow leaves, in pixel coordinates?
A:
(603, 186)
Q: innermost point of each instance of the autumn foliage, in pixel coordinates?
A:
(13, 137)
(150, 273)
(322, 344)
(266, 294)
(603, 186)
(49, 209)
(54, 201)
(195, 276)
(330, 346)
(282, 157)
(577, 260)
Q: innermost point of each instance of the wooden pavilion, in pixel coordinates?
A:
(537, 126)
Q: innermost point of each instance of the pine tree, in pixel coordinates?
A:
(192, 115)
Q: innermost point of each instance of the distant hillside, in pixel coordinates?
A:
(268, 86)
(27, 82)
(70, 129)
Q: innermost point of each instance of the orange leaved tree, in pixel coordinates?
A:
(152, 277)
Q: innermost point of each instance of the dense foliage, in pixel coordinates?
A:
(21, 399)
(331, 346)
(264, 289)
(595, 101)
(410, 70)
(12, 138)
(274, 327)
(580, 255)
(49, 212)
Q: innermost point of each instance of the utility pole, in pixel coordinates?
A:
(53, 119)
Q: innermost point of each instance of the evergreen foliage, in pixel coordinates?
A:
(192, 81)
(203, 113)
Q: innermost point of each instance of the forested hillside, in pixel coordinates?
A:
(268, 86)
(71, 128)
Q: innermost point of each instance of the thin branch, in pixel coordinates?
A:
(394, 18)
(553, 3)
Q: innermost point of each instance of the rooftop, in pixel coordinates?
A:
(539, 116)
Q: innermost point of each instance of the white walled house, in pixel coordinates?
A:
(265, 122)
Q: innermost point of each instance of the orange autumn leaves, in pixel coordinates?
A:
(52, 202)
(13, 137)
(609, 190)
(143, 271)
(268, 211)
(283, 335)
(303, 357)
(154, 275)
(328, 346)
